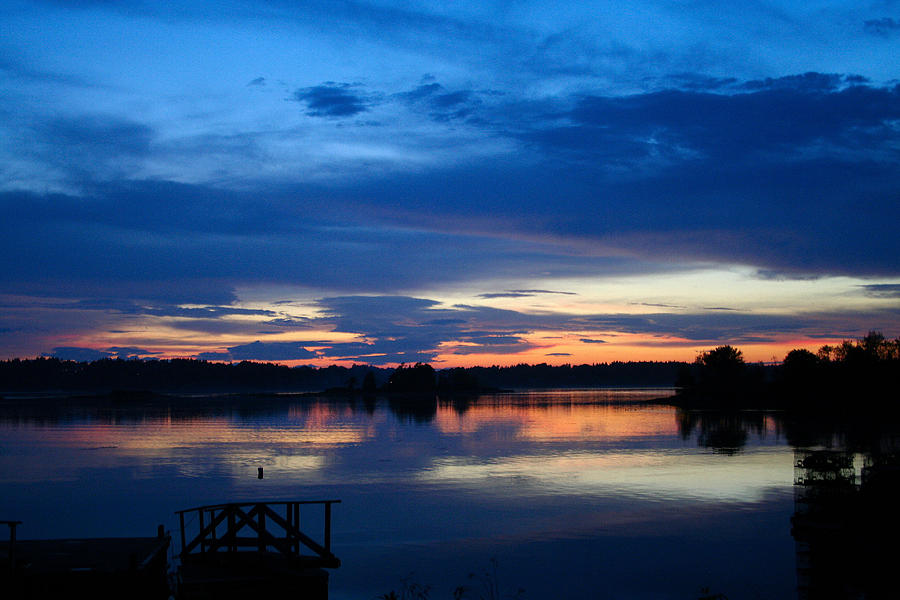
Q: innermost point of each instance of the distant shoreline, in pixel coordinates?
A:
(190, 377)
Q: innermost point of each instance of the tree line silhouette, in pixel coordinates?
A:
(190, 375)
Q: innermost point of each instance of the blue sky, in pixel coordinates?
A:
(476, 183)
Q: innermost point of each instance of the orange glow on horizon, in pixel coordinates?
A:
(618, 348)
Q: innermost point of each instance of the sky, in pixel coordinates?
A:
(466, 183)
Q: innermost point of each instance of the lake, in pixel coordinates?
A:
(562, 494)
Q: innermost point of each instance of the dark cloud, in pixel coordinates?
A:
(699, 81)
(883, 27)
(258, 81)
(505, 295)
(522, 293)
(187, 244)
(590, 341)
(290, 322)
(882, 290)
(204, 312)
(806, 82)
(405, 329)
(263, 351)
(765, 177)
(270, 351)
(87, 147)
(422, 92)
(658, 305)
(332, 100)
(129, 352)
(782, 113)
(558, 354)
(97, 136)
(214, 356)
(135, 307)
(78, 353)
(442, 105)
(543, 292)
(711, 327)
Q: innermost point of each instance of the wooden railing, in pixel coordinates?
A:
(264, 529)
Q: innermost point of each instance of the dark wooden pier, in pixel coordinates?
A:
(101, 568)
(255, 549)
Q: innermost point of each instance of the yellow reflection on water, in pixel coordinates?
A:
(747, 477)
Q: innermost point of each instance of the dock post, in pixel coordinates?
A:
(328, 527)
(181, 514)
(262, 527)
(231, 532)
(203, 541)
(12, 543)
(297, 527)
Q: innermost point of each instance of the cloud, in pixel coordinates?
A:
(543, 292)
(130, 352)
(290, 322)
(505, 295)
(214, 356)
(558, 354)
(50, 151)
(522, 294)
(408, 328)
(699, 81)
(332, 100)
(442, 105)
(774, 114)
(263, 351)
(882, 290)
(658, 305)
(883, 27)
(260, 81)
(805, 82)
(78, 354)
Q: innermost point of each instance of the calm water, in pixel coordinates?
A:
(574, 494)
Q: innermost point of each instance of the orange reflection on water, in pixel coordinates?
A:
(541, 423)
(317, 425)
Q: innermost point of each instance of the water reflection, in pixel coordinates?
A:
(575, 492)
(844, 516)
(725, 431)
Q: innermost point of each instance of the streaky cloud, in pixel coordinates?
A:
(882, 290)
(262, 351)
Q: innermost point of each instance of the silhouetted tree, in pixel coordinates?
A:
(369, 386)
(458, 380)
(418, 379)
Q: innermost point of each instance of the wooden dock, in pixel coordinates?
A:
(254, 549)
(101, 568)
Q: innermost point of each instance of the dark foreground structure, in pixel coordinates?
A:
(235, 550)
(101, 568)
(255, 550)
